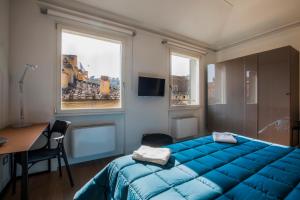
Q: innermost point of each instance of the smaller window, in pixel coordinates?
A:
(216, 84)
(184, 80)
(251, 87)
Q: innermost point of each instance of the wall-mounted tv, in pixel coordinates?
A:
(149, 86)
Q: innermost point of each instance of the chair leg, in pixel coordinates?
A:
(67, 167)
(59, 165)
(14, 176)
(12, 165)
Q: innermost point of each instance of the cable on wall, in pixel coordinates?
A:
(228, 2)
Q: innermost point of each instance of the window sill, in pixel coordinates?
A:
(66, 113)
(191, 107)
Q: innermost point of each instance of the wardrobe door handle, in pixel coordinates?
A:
(288, 93)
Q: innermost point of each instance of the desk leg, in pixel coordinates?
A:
(49, 145)
(49, 165)
(24, 181)
(11, 164)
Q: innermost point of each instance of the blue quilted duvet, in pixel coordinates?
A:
(203, 169)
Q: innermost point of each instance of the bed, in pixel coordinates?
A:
(203, 169)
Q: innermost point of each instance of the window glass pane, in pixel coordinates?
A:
(211, 84)
(180, 66)
(251, 87)
(90, 72)
(184, 80)
(216, 84)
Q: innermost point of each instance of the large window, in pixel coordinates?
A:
(184, 80)
(90, 71)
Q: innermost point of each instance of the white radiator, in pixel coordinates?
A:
(184, 127)
(93, 140)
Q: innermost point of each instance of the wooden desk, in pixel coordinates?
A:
(20, 140)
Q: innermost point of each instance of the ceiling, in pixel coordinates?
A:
(217, 23)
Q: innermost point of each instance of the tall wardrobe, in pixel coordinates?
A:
(256, 96)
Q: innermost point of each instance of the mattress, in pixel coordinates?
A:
(203, 169)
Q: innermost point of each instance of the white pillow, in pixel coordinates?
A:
(224, 137)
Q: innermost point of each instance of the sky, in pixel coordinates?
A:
(180, 66)
(211, 73)
(98, 57)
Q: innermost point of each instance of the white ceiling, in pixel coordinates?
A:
(214, 22)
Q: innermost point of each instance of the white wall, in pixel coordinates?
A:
(283, 38)
(146, 114)
(33, 40)
(4, 54)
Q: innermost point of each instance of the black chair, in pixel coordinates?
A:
(47, 153)
(156, 139)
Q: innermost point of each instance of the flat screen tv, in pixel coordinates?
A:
(151, 86)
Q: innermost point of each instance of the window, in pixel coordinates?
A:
(216, 84)
(211, 84)
(251, 87)
(184, 80)
(90, 72)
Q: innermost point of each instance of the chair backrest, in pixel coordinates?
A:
(60, 126)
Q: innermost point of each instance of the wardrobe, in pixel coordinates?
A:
(256, 96)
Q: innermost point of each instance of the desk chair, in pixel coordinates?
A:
(46, 152)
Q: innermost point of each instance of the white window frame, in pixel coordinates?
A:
(104, 35)
(190, 54)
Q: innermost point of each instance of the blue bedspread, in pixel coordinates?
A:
(203, 169)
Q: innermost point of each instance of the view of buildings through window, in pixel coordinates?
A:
(216, 84)
(251, 87)
(90, 72)
(184, 80)
(211, 84)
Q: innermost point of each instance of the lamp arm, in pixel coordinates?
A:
(21, 84)
(21, 81)
(23, 76)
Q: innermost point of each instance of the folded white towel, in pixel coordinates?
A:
(150, 154)
(224, 137)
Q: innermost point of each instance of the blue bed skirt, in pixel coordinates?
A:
(203, 169)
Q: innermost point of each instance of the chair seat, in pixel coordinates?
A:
(156, 139)
(39, 155)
